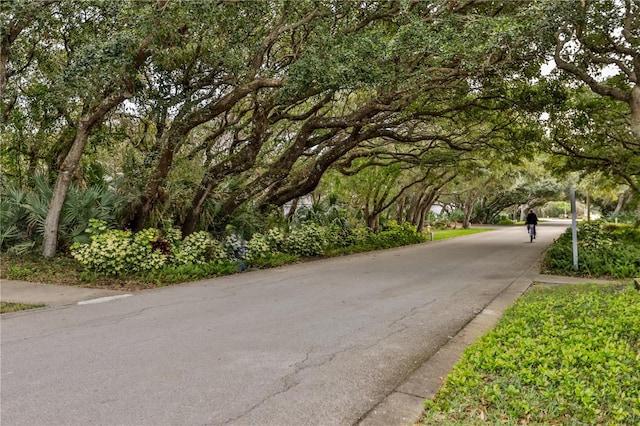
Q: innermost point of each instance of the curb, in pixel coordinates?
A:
(405, 405)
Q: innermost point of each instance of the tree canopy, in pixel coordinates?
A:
(195, 111)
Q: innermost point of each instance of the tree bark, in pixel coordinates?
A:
(400, 210)
(70, 163)
(620, 204)
(425, 206)
(236, 163)
(68, 168)
(150, 193)
(178, 132)
(373, 221)
(634, 103)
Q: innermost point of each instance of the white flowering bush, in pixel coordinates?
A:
(306, 240)
(234, 245)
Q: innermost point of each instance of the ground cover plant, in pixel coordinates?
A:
(604, 249)
(6, 307)
(566, 355)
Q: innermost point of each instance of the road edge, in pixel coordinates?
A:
(405, 405)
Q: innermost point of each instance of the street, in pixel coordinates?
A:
(316, 343)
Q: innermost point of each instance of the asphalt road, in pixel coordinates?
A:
(319, 343)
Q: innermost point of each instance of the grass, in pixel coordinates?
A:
(6, 307)
(567, 355)
(452, 233)
(62, 270)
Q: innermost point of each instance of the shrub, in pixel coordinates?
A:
(306, 240)
(106, 253)
(603, 250)
(147, 251)
(257, 247)
(337, 236)
(198, 248)
(235, 247)
(23, 213)
(188, 272)
(270, 260)
(116, 252)
(560, 355)
(395, 235)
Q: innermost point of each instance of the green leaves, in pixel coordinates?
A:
(122, 253)
(560, 355)
(611, 250)
(116, 252)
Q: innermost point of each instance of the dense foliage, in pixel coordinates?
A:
(194, 111)
(604, 249)
(564, 355)
(158, 254)
(195, 114)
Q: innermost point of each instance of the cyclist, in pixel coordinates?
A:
(532, 220)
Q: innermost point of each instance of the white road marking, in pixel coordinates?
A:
(103, 299)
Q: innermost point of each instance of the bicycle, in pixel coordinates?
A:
(531, 229)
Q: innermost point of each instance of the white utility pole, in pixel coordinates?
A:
(574, 228)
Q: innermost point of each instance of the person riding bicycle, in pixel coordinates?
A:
(532, 220)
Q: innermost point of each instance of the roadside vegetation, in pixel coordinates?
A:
(452, 233)
(7, 307)
(604, 250)
(564, 355)
(123, 260)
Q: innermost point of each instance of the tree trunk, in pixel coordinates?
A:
(193, 215)
(400, 210)
(413, 211)
(420, 225)
(634, 103)
(142, 208)
(468, 211)
(523, 212)
(373, 221)
(236, 164)
(68, 168)
(292, 209)
(425, 206)
(620, 204)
